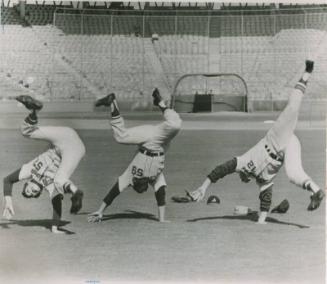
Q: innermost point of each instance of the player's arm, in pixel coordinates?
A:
(57, 212)
(109, 198)
(161, 202)
(8, 183)
(200, 192)
(265, 198)
(217, 173)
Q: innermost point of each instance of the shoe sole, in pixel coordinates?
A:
(32, 104)
(100, 103)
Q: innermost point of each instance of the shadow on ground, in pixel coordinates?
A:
(253, 217)
(43, 223)
(130, 214)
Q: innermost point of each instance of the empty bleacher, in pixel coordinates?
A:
(39, 14)
(115, 53)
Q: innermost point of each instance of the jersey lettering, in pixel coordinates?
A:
(137, 171)
(251, 166)
(45, 167)
(38, 165)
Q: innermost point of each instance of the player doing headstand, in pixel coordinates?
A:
(52, 169)
(147, 166)
(263, 161)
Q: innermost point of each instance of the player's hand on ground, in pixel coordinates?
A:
(164, 221)
(198, 194)
(95, 217)
(262, 218)
(56, 230)
(8, 211)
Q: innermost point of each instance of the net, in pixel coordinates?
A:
(224, 88)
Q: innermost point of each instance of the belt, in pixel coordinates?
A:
(273, 155)
(151, 153)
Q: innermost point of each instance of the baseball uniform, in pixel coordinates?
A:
(59, 162)
(263, 161)
(153, 141)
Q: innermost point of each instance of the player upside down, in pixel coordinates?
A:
(147, 166)
(263, 161)
(52, 169)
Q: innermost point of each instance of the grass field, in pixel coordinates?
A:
(202, 243)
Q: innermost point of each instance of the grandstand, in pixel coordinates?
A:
(77, 54)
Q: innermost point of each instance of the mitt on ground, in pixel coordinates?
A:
(282, 207)
(213, 199)
(181, 199)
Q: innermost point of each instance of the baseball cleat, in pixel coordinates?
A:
(29, 102)
(156, 97)
(309, 66)
(76, 199)
(105, 101)
(316, 199)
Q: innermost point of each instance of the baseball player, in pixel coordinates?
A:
(263, 161)
(52, 169)
(147, 166)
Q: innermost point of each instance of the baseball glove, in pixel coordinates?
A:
(213, 199)
(282, 207)
(183, 199)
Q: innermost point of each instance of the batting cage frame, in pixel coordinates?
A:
(231, 102)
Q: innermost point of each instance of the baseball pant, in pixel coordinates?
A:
(150, 136)
(293, 164)
(144, 166)
(281, 132)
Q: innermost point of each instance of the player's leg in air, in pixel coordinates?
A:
(65, 140)
(143, 133)
(172, 122)
(282, 138)
(134, 135)
(283, 129)
(297, 175)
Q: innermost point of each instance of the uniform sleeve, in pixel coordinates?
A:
(222, 170)
(9, 181)
(26, 170)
